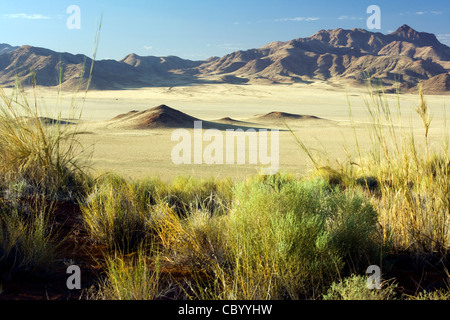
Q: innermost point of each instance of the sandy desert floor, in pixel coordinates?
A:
(139, 153)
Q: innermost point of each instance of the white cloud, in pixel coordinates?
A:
(420, 13)
(148, 48)
(298, 19)
(349, 18)
(34, 16)
(444, 38)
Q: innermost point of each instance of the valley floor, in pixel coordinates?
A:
(137, 153)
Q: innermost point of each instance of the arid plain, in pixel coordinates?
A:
(137, 153)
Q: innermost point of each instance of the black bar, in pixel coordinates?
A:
(222, 309)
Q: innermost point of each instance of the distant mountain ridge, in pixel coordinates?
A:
(4, 48)
(405, 56)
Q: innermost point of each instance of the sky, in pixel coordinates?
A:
(198, 29)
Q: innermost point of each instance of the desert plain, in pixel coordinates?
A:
(144, 152)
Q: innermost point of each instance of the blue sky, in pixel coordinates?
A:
(199, 29)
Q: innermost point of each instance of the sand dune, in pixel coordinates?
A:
(125, 115)
(235, 122)
(158, 117)
(277, 115)
(165, 117)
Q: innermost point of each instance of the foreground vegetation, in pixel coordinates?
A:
(268, 237)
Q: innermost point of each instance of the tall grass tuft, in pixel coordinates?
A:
(404, 175)
(132, 277)
(42, 151)
(115, 216)
(414, 179)
(187, 194)
(123, 214)
(28, 242)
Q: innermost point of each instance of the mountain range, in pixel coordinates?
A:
(405, 57)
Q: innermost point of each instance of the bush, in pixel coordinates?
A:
(440, 294)
(293, 240)
(355, 288)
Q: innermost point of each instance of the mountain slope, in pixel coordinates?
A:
(52, 68)
(406, 55)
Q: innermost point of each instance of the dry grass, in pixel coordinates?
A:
(355, 288)
(406, 177)
(131, 277)
(47, 156)
(28, 242)
(414, 181)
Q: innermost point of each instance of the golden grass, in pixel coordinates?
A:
(131, 277)
(406, 178)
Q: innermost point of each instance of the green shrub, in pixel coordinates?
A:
(440, 294)
(293, 239)
(355, 288)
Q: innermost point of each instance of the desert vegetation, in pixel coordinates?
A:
(265, 237)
